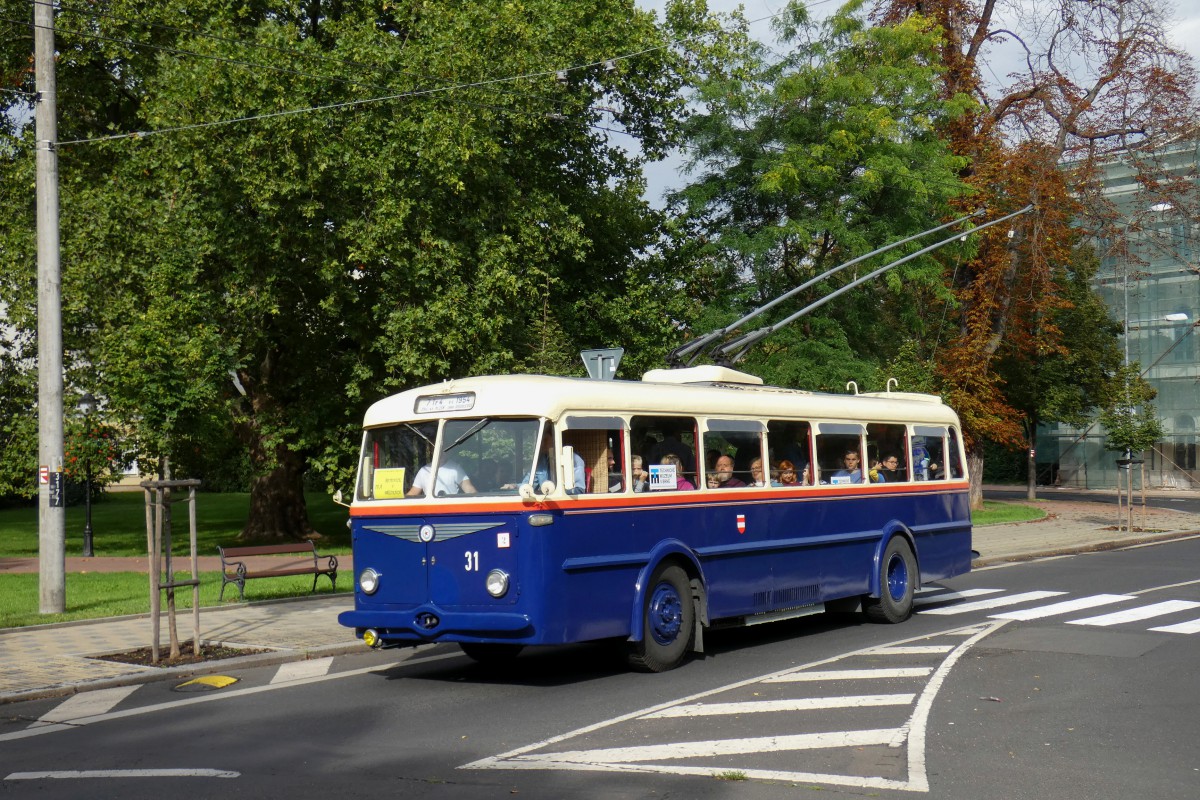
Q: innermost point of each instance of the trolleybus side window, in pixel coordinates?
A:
(736, 444)
(887, 453)
(599, 441)
(656, 437)
(929, 453)
(839, 452)
(789, 444)
(391, 458)
(490, 452)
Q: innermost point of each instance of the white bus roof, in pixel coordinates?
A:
(658, 394)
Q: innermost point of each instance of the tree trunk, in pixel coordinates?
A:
(975, 466)
(1031, 479)
(277, 507)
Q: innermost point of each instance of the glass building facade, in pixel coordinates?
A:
(1152, 284)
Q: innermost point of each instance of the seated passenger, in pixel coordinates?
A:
(850, 473)
(638, 476)
(722, 475)
(681, 483)
(888, 470)
(451, 479)
(756, 473)
(787, 474)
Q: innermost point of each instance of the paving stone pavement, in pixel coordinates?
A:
(50, 660)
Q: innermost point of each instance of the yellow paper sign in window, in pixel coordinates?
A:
(389, 483)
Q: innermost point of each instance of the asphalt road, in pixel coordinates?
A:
(1009, 683)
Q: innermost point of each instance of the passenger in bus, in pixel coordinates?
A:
(671, 444)
(639, 476)
(851, 472)
(787, 474)
(541, 473)
(887, 470)
(721, 476)
(451, 479)
(756, 473)
(681, 483)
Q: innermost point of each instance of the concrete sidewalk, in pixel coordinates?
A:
(50, 660)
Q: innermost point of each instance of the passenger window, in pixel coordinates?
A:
(955, 457)
(789, 445)
(887, 453)
(839, 453)
(731, 447)
(929, 453)
(600, 443)
(674, 438)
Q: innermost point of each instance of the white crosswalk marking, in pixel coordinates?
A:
(86, 704)
(1065, 607)
(1183, 627)
(851, 674)
(912, 650)
(1136, 614)
(996, 602)
(795, 704)
(297, 670)
(928, 597)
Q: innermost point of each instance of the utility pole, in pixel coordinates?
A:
(52, 515)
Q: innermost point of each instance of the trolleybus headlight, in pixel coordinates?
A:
(368, 581)
(497, 583)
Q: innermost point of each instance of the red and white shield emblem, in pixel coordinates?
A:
(741, 522)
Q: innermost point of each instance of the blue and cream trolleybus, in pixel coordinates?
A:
(507, 511)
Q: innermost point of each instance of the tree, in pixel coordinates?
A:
(1073, 371)
(1098, 81)
(443, 216)
(808, 160)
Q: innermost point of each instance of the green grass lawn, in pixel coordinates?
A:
(996, 512)
(119, 525)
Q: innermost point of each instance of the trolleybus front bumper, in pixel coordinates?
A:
(428, 623)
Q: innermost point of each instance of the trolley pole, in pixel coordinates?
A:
(52, 515)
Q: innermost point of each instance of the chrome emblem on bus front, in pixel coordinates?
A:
(426, 533)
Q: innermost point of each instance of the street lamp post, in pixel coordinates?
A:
(87, 404)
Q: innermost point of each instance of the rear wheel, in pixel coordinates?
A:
(491, 653)
(668, 622)
(897, 584)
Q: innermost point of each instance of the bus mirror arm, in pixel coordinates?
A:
(337, 498)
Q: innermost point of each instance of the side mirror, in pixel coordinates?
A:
(337, 498)
(526, 492)
(567, 465)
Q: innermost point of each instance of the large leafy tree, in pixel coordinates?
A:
(397, 205)
(805, 160)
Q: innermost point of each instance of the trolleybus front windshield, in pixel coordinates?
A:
(477, 455)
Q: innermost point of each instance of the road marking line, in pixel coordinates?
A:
(981, 605)
(295, 670)
(87, 704)
(1136, 614)
(1182, 627)
(797, 704)
(122, 773)
(1168, 586)
(913, 650)
(851, 674)
(1065, 607)
(719, 747)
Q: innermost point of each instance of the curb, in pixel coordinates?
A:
(1094, 547)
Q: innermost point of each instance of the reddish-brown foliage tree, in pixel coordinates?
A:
(1089, 82)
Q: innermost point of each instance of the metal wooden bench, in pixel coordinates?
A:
(234, 568)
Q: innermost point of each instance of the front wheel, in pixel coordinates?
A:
(897, 584)
(669, 620)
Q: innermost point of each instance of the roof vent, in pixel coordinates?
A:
(709, 373)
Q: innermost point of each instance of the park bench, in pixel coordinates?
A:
(235, 568)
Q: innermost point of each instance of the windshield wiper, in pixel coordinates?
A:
(418, 433)
(474, 429)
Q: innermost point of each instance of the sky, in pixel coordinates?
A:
(668, 175)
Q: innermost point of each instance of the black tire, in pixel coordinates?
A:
(897, 584)
(491, 653)
(668, 618)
